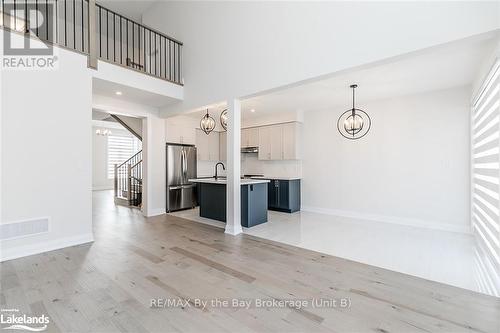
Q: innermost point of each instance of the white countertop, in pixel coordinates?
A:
(277, 177)
(245, 181)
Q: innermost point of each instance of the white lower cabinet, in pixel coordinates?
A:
(207, 146)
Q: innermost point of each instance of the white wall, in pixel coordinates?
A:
(46, 153)
(411, 168)
(233, 49)
(135, 79)
(268, 118)
(100, 180)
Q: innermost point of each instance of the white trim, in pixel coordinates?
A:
(154, 212)
(233, 230)
(31, 249)
(434, 225)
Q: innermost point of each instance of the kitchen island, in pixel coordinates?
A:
(212, 200)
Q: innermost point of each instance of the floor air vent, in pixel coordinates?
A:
(24, 228)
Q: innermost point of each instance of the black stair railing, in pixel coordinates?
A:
(128, 181)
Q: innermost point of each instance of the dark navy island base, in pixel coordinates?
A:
(212, 200)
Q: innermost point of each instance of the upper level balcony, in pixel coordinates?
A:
(97, 32)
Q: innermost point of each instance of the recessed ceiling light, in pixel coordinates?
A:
(252, 110)
(119, 93)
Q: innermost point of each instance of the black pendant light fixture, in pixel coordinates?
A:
(223, 119)
(354, 123)
(207, 124)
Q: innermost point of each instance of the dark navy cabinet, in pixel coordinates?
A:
(212, 200)
(284, 195)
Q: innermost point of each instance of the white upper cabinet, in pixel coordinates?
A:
(264, 143)
(276, 142)
(270, 142)
(201, 146)
(180, 130)
(213, 146)
(207, 146)
(280, 142)
(223, 146)
(250, 137)
(291, 141)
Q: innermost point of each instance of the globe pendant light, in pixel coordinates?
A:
(354, 123)
(207, 124)
(223, 119)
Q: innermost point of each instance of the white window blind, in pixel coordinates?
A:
(485, 184)
(120, 149)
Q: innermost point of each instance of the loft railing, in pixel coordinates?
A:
(128, 43)
(99, 33)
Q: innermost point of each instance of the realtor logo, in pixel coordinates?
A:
(34, 50)
(12, 319)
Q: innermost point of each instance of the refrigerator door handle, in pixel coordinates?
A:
(184, 165)
(183, 162)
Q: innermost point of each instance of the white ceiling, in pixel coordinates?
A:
(433, 69)
(130, 8)
(130, 94)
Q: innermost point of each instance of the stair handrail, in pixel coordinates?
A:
(135, 155)
(135, 165)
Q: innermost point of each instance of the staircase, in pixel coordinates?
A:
(128, 181)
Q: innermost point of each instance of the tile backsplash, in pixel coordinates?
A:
(250, 164)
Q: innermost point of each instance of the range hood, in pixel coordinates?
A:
(248, 150)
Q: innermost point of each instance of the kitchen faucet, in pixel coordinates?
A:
(223, 168)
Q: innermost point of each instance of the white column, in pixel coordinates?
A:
(153, 166)
(233, 188)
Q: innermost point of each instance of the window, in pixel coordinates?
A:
(120, 149)
(485, 183)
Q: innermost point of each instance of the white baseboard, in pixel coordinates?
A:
(40, 247)
(155, 212)
(390, 219)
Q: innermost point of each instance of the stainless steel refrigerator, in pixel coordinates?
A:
(181, 166)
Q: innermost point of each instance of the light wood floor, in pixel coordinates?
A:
(107, 286)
